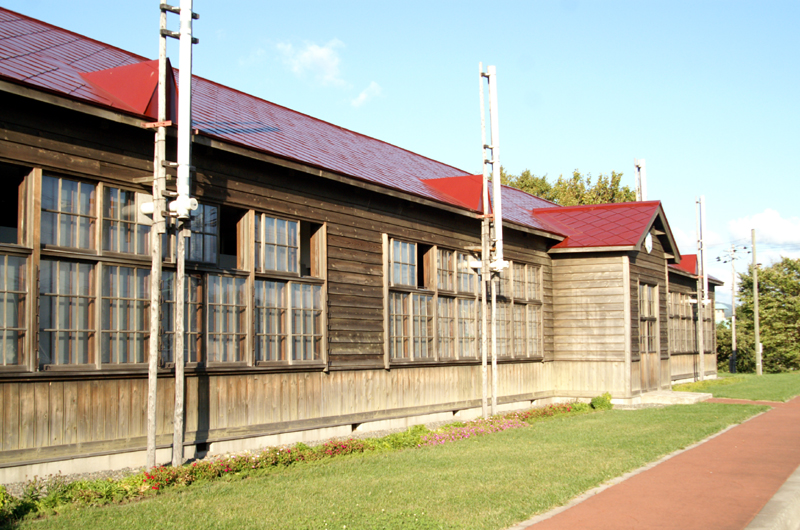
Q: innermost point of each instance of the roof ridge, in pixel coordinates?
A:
(606, 205)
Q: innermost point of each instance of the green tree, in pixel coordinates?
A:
(779, 311)
(576, 190)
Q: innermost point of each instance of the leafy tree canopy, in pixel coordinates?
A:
(779, 312)
(576, 190)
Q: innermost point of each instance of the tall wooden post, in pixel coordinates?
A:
(157, 230)
(485, 255)
(759, 364)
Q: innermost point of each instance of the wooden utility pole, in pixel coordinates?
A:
(496, 226)
(702, 286)
(731, 258)
(734, 350)
(759, 367)
(485, 256)
(157, 230)
(182, 206)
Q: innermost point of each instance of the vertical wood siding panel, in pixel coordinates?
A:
(191, 404)
(84, 412)
(10, 411)
(26, 411)
(96, 411)
(124, 409)
(111, 391)
(70, 412)
(41, 396)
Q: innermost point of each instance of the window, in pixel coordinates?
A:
(12, 309)
(681, 323)
(467, 328)
(125, 315)
(234, 239)
(504, 330)
(445, 271)
(520, 314)
(227, 318)
(66, 313)
(648, 314)
(192, 317)
(441, 320)
(399, 332)
(277, 244)
(422, 326)
(68, 213)
(446, 326)
(306, 322)
(13, 206)
(270, 320)
(404, 263)
(411, 326)
(125, 229)
(202, 245)
(467, 278)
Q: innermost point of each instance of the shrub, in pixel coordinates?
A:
(602, 402)
(581, 407)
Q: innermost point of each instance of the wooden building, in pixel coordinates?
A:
(329, 283)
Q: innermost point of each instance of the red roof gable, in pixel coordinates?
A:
(688, 264)
(601, 225)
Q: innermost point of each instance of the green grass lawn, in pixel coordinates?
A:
(487, 482)
(767, 387)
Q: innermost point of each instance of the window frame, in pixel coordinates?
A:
(648, 297)
(456, 311)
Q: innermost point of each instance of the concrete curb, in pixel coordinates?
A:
(782, 512)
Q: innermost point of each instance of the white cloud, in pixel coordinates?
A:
(320, 62)
(256, 56)
(770, 227)
(687, 241)
(374, 89)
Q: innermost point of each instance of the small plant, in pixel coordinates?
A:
(602, 402)
(581, 407)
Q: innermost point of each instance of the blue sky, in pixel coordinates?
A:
(705, 91)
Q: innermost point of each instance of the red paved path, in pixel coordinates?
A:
(720, 484)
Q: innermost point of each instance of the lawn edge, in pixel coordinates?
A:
(523, 525)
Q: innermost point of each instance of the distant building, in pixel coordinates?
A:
(722, 312)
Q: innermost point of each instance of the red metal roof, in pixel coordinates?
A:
(688, 264)
(601, 225)
(56, 60)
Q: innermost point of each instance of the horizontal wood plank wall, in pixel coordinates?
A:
(62, 419)
(590, 378)
(588, 308)
(62, 415)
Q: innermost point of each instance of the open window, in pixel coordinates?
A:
(311, 249)
(12, 205)
(233, 238)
